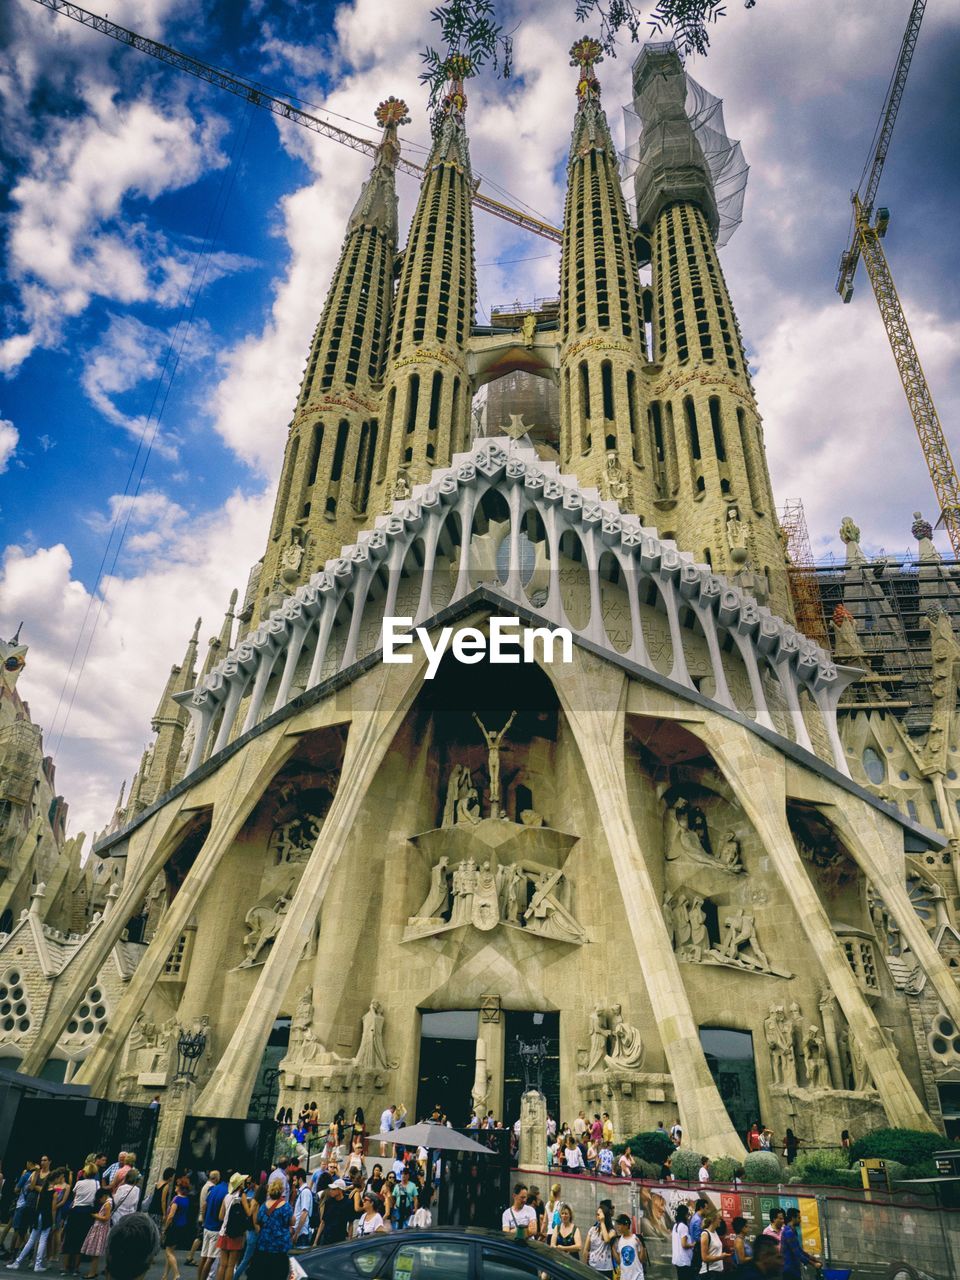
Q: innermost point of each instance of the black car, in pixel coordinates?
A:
(444, 1253)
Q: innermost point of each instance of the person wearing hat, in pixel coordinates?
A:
(336, 1214)
(233, 1227)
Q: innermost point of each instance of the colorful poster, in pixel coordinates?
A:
(810, 1225)
(729, 1206)
(750, 1209)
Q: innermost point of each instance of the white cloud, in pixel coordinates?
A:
(67, 241)
(151, 521)
(9, 439)
(142, 628)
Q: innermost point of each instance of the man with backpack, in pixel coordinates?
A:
(405, 1194)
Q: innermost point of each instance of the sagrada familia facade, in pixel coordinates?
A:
(713, 879)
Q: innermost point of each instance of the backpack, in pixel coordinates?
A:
(236, 1223)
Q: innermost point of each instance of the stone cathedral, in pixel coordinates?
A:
(665, 858)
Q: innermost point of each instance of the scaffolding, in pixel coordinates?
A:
(801, 573)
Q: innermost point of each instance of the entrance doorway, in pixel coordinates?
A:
(448, 1063)
(729, 1055)
(529, 1027)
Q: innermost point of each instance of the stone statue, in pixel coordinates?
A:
(438, 899)
(736, 535)
(682, 932)
(528, 327)
(793, 1030)
(627, 1051)
(699, 938)
(300, 1022)
(401, 487)
(485, 913)
(457, 785)
(494, 741)
(773, 1035)
(598, 1039)
(616, 481)
(514, 882)
(729, 852)
(468, 806)
(530, 818)
(850, 536)
(815, 1059)
(292, 557)
(862, 1079)
(546, 914)
(372, 1056)
(264, 923)
(464, 884)
(293, 841)
(739, 942)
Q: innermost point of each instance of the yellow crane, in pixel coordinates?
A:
(252, 92)
(868, 232)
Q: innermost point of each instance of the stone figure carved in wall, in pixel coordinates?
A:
(626, 1053)
(154, 906)
(669, 917)
(736, 536)
(778, 1032)
(862, 1078)
(291, 558)
(457, 785)
(372, 1054)
(300, 1022)
(739, 942)
(481, 1079)
(401, 488)
(293, 841)
(688, 837)
(615, 1045)
(439, 896)
(494, 741)
(524, 895)
(528, 327)
(263, 922)
(617, 485)
(598, 1039)
(815, 1059)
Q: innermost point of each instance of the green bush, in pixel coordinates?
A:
(897, 1171)
(653, 1146)
(908, 1146)
(763, 1167)
(722, 1168)
(686, 1164)
(811, 1167)
(646, 1169)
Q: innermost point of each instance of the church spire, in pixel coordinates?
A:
(426, 407)
(328, 464)
(704, 434)
(601, 313)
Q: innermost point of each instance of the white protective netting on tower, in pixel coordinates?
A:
(724, 158)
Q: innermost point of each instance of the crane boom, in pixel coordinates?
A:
(936, 451)
(251, 92)
(866, 197)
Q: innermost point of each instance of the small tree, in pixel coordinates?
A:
(653, 1146)
(909, 1146)
(763, 1167)
(686, 1164)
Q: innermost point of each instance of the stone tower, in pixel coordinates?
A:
(601, 313)
(169, 723)
(426, 394)
(328, 463)
(705, 436)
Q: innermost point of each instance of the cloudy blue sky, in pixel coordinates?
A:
(166, 249)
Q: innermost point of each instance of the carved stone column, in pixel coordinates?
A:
(379, 702)
(242, 784)
(593, 696)
(757, 775)
(533, 1131)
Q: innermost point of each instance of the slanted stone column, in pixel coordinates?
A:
(241, 785)
(102, 937)
(757, 775)
(876, 845)
(593, 696)
(380, 700)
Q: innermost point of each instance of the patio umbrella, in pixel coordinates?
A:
(435, 1137)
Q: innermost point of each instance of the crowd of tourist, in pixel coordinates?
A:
(702, 1241)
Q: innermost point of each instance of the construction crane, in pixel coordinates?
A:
(260, 97)
(868, 232)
